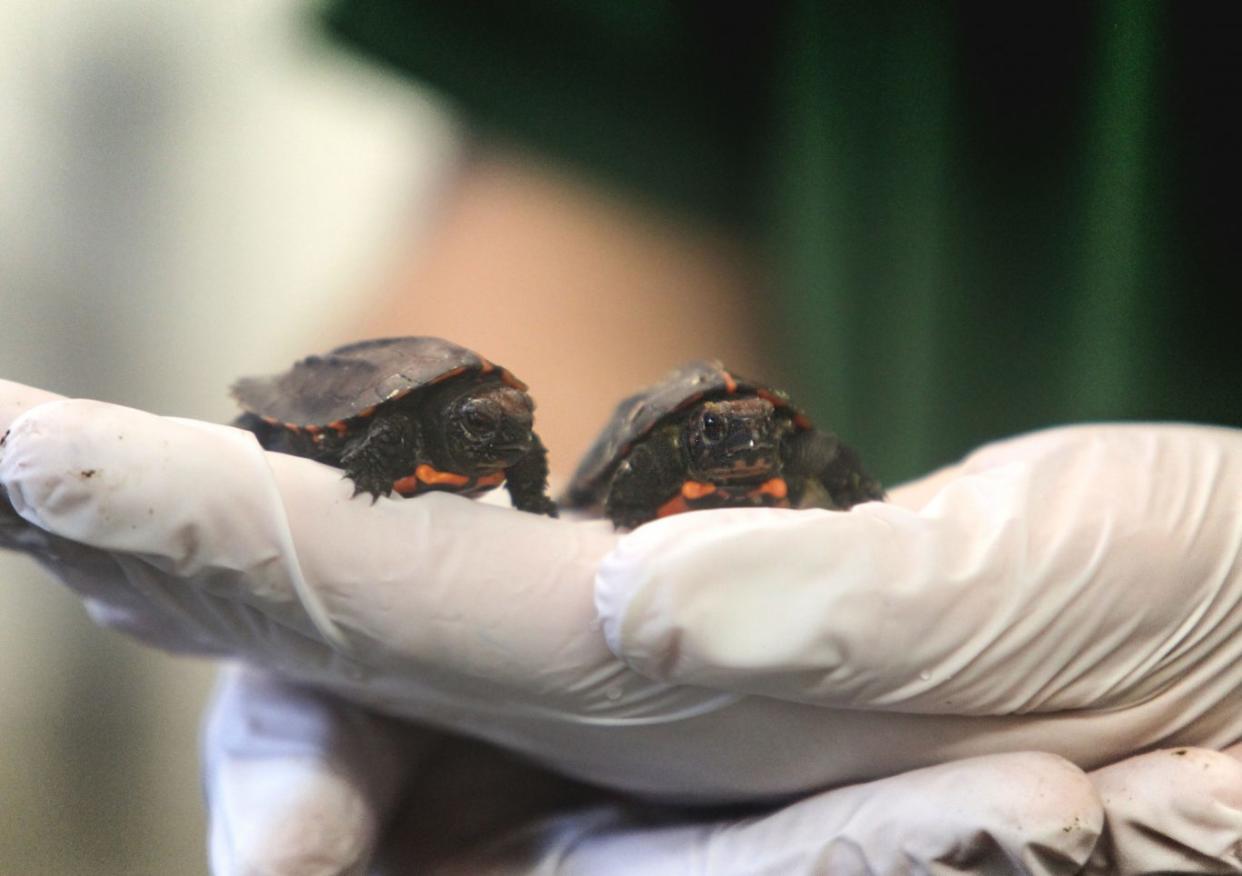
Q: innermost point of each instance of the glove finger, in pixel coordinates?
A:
(476, 600)
(1083, 567)
(17, 398)
(127, 602)
(297, 781)
(1178, 810)
(97, 478)
(1020, 813)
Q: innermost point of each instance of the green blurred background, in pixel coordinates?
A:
(975, 218)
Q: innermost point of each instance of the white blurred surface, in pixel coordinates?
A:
(191, 191)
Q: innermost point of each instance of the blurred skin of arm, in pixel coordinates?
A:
(585, 296)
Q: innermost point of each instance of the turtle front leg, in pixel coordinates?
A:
(381, 456)
(826, 465)
(527, 481)
(649, 478)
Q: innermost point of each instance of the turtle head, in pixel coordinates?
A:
(733, 439)
(489, 429)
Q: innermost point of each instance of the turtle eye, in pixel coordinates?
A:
(479, 421)
(714, 428)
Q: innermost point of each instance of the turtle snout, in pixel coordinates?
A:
(744, 441)
(751, 438)
(513, 443)
(749, 449)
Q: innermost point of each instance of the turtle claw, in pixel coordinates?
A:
(372, 485)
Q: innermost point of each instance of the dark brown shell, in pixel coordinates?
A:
(637, 415)
(351, 381)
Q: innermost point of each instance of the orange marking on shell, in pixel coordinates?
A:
(366, 412)
(494, 479)
(675, 505)
(488, 367)
(767, 395)
(776, 488)
(271, 421)
(697, 489)
(314, 431)
(802, 421)
(429, 475)
(460, 369)
(292, 427)
(406, 486)
(730, 383)
(507, 377)
(340, 426)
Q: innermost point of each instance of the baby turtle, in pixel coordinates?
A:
(405, 415)
(703, 437)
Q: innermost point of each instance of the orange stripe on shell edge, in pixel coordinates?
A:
(508, 379)
(447, 375)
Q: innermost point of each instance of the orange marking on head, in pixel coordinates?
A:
(675, 505)
(697, 489)
(429, 475)
(730, 383)
(340, 426)
(406, 486)
(802, 421)
(507, 377)
(314, 430)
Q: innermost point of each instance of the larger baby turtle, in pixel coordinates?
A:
(404, 415)
(703, 437)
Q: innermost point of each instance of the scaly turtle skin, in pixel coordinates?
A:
(406, 415)
(703, 437)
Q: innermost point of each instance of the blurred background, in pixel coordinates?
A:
(937, 224)
(190, 189)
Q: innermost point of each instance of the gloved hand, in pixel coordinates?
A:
(480, 620)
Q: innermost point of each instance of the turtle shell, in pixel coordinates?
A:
(637, 415)
(351, 381)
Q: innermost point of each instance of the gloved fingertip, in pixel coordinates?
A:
(1174, 810)
(287, 819)
(28, 483)
(17, 398)
(297, 781)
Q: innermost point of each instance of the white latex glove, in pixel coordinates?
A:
(481, 620)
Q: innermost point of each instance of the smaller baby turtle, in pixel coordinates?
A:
(703, 437)
(405, 415)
